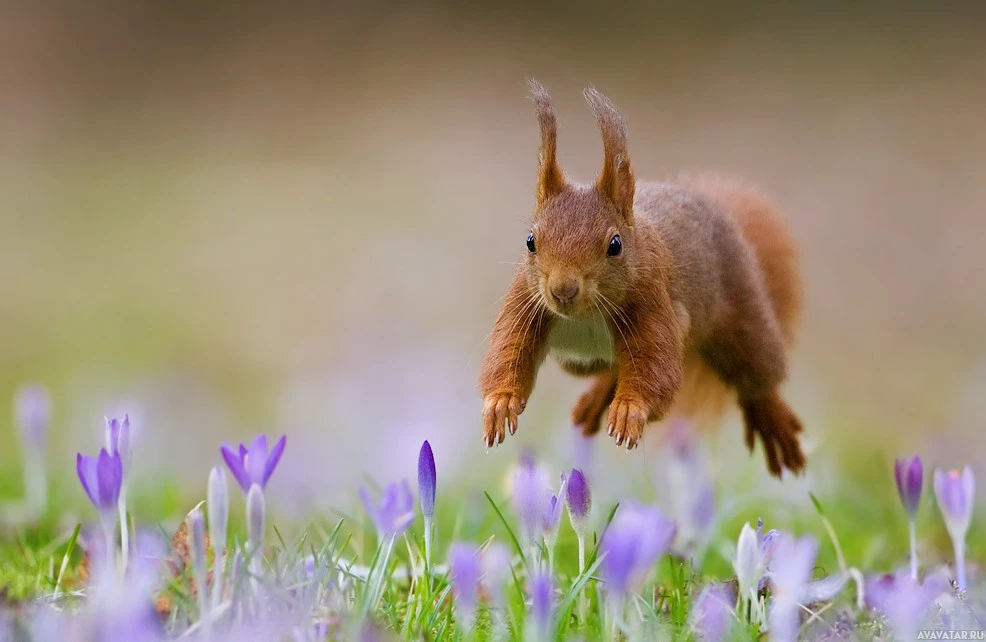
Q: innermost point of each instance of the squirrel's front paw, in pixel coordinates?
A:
(627, 418)
(500, 412)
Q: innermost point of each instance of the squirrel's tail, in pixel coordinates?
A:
(704, 398)
(765, 230)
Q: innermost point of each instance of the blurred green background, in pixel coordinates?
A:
(300, 218)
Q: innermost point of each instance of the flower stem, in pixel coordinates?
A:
(427, 547)
(109, 533)
(914, 549)
(124, 530)
(218, 562)
(959, 545)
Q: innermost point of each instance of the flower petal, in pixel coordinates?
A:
(969, 486)
(85, 466)
(273, 457)
(370, 507)
(235, 465)
(426, 480)
(109, 473)
(256, 460)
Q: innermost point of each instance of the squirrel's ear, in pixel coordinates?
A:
(616, 179)
(550, 177)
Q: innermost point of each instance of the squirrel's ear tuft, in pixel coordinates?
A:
(616, 178)
(550, 177)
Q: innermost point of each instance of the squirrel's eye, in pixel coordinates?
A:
(615, 246)
(530, 243)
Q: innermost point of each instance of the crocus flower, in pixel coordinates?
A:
(118, 440)
(426, 492)
(198, 555)
(218, 506)
(426, 481)
(691, 489)
(394, 513)
(635, 539)
(542, 591)
(791, 573)
(909, 474)
(748, 563)
(253, 465)
(956, 495)
(904, 601)
(464, 565)
(32, 413)
(712, 614)
(768, 542)
(579, 500)
(101, 477)
(531, 496)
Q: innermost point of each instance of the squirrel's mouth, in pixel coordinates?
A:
(569, 309)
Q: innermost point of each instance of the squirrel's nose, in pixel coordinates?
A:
(566, 291)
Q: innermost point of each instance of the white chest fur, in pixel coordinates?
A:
(584, 340)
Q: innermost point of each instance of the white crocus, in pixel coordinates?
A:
(748, 563)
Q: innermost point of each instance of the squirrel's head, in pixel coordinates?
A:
(581, 243)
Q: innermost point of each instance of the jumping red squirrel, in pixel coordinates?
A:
(671, 297)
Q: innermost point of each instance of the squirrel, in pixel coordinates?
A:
(673, 297)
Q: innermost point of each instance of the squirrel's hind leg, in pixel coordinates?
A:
(778, 428)
(588, 411)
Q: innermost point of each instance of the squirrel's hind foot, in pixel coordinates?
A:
(587, 415)
(778, 428)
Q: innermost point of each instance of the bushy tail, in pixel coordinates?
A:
(704, 397)
(764, 229)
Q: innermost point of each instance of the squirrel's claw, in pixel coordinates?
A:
(499, 416)
(626, 422)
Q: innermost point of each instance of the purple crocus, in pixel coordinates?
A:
(253, 465)
(426, 481)
(465, 570)
(394, 513)
(579, 500)
(711, 614)
(956, 496)
(101, 477)
(426, 493)
(531, 495)
(635, 539)
(904, 601)
(909, 474)
(793, 560)
(118, 440)
(542, 590)
(32, 412)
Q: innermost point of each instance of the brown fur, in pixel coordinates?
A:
(698, 306)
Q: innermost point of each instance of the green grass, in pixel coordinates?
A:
(862, 512)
